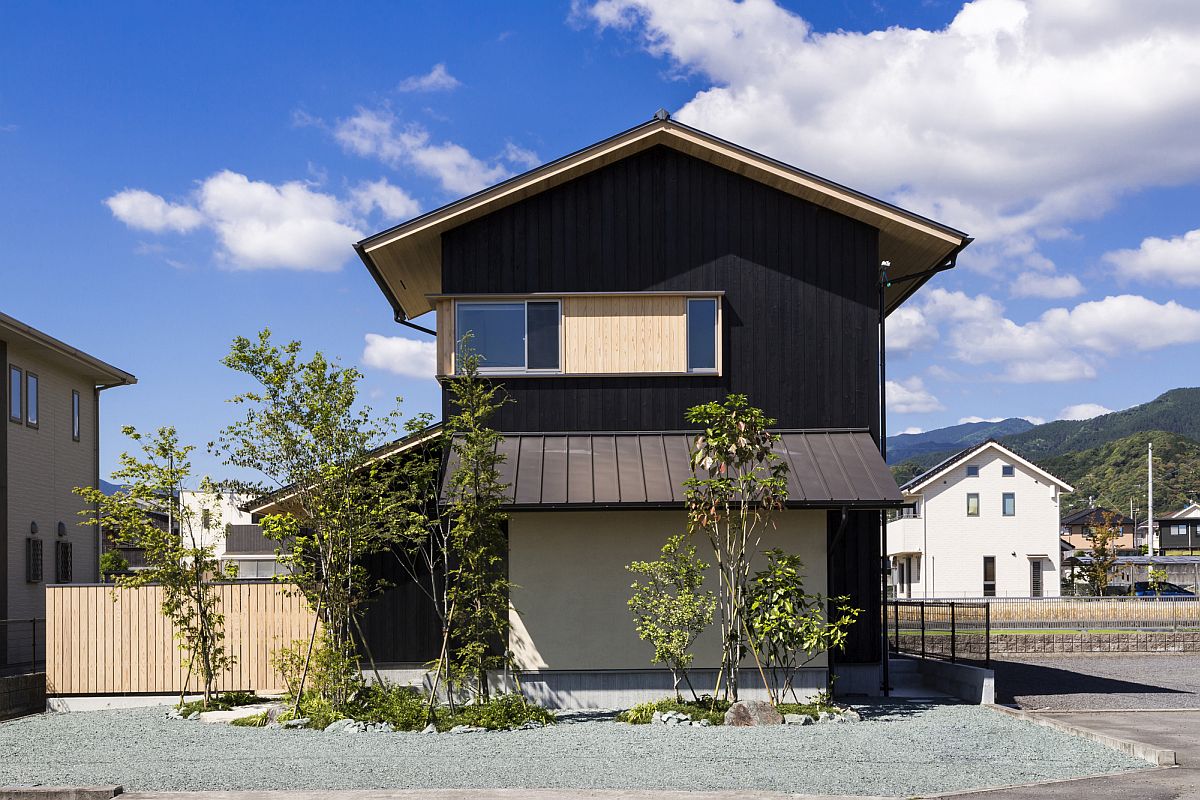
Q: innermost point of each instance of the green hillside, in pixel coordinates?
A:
(1115, 471)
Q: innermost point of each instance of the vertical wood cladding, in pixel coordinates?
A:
(799, 312)
(854, 570)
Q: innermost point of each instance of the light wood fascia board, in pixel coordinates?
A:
(554, 295)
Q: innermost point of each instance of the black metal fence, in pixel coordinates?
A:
(941, 629)
(22, 645)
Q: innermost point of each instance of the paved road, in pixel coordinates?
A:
(1073, 682)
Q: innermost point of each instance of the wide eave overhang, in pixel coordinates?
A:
(406, 261)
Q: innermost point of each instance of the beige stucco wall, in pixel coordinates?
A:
(44, 464)
(571, 586)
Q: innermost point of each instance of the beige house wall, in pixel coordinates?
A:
(571, 588)
(44, 465)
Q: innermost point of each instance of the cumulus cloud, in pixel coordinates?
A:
(393, 202)
(908, 330)
(1083, 411)
(1063, 344)
(401, 356)
(1017, 118)
(912, 429)
(436, 80)
(261, 225)
(381, 135)
(971, 420)
(911, 397)
(148, 212)
(1039, 284)
(1175, 260)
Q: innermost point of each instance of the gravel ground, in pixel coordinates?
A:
(1074, 682)
(897, 750)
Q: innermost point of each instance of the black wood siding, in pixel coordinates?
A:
(799, 311)
(854, 570)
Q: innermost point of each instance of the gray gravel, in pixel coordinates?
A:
(1074, 682)
(897, 750)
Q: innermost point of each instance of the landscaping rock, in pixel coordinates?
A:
(850, 715)
(430, 728)
(670, 718)
(194, 715)
(338, 725)
(299, 722)
(173, 713)
(797, 719)
(752, 713)
(467, 729)
(272, 725)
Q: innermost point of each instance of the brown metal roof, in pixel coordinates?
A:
(826, 469)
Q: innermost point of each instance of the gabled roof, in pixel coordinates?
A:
(826, 469)
(102, 373)
(1190, 511)
(927, 477)
(1095, 516)
(406, 260)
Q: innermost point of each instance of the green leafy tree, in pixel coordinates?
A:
(1103, 563)
(740, 484)
(112, 563)
(304, 432)
(669, 609)
(477, 590)
(1156, 578)
(179, 555)
(790, 626)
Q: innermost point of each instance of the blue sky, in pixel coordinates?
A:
(173, 175)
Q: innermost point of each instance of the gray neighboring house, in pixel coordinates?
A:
(49, 444)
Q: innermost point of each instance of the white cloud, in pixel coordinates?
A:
(912, 430)
(1014, 120)
(972, 420)
(436, 80)
(911, 397)
(402, 356)
(1175, 260)
(380, 135)
(264, 226)
(1038, 284)
(148, 212)
(393, 202)
(908, 330)
(1063, 343)
(261, 225)
(1083, 411)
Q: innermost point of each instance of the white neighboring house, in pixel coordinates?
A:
(235, 539)
(985, 524)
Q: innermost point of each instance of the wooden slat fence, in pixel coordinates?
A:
(105, 640)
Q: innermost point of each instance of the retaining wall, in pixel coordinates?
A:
(972, 648)
(22, 694)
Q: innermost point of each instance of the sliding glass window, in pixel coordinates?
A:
(515, 336)
(702, 334)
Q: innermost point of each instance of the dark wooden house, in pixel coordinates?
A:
(613, 289)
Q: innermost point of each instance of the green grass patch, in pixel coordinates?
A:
(255, 721)
(221, 702)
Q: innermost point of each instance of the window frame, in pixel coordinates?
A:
(1037, 588)
(76, 415)
(977, 504)
(524, 303)
(715, 369)
(1005, 499)
(16, 391)
(1008, 471)
(34, 560)
(989, 592)
(35, 406)
(64, 570)
(971, 467)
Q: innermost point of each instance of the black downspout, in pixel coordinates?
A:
(883, 563)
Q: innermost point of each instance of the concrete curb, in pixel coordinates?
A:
(1146, 752)
(59, 792)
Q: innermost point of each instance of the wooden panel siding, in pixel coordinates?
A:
(799, 314)
(624, 334)
(101, 640)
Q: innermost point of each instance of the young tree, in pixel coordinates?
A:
(306, 435)
(180, 560)
(476, 576)
(742, 483)
(790, 626)
(669, 610)
(1099, 571)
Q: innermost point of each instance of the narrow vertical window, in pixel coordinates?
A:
(16, 412)
(33, 560)
(702, 334)
(1035, 578)
(62, 562)
(972, 505)
(542, 323)
(1010, 504)
(75, 415)
(31, 399)
(989, 576)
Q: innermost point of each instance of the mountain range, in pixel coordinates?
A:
(1104, 457)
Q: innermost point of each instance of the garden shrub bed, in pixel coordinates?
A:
(713, 710)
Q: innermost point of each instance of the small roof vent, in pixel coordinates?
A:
(662, 115)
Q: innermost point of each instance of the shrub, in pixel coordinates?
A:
(221, 702)
(256, 721)
(499, 712)
(402, 706)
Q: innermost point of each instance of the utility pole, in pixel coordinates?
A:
(1150, 498)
